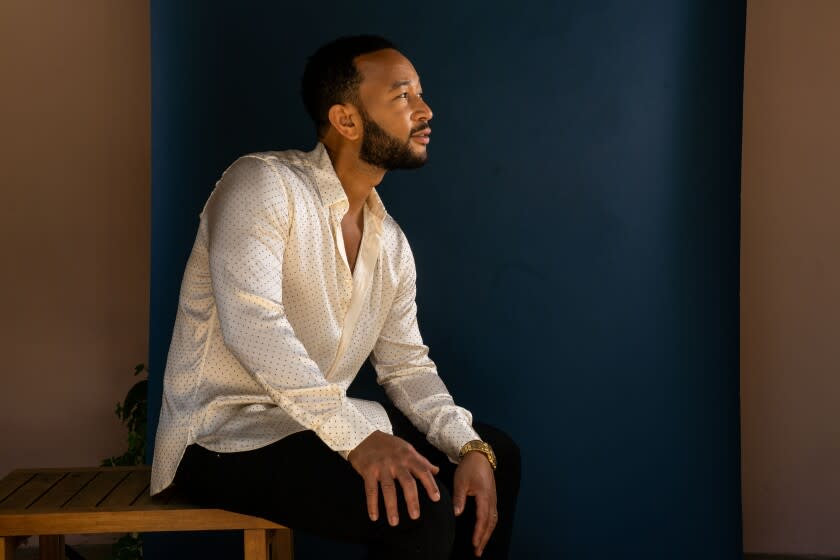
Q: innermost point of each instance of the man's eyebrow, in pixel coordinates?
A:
(399, 83)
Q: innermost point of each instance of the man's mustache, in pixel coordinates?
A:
(421, 129)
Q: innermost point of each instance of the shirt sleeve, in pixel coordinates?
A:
(248, 219)
(410, 377)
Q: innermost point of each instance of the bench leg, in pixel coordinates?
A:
(256, 544)
(7, 547)
(51, 547)
(281, 544)
(262, 544)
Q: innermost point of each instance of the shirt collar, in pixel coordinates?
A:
(329, 186)
(374, 204)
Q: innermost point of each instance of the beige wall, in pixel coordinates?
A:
(74, 224)
(790, 278)
(74, 234)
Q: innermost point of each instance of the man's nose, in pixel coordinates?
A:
(424, 112)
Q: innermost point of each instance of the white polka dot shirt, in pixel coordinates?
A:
(272, 326)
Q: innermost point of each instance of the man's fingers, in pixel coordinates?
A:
(424, 471)
(382, 459)
(487, 517)
(482, 519)
(427, 479)
(424, 464)
(459, 498)
(389, 494)
(409, 488)
(372, 495)
(491, 525)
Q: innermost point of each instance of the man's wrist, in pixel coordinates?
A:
(481, 447)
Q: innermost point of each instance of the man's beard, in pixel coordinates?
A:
(387, 152)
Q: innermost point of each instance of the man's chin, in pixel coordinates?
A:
(420, 156)
(410, 158)
(415, 163)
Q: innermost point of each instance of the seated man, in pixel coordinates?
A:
(296, 277)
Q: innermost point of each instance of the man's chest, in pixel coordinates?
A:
(352, 237)
(327, 264)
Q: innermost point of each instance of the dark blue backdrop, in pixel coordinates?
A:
(576, 236)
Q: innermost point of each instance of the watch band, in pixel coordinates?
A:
(482, 447)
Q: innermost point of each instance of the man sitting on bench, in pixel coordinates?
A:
(297, 276)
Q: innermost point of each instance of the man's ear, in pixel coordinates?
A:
(345, 119)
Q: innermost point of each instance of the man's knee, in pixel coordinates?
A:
(509, 471)
(437, 519)
(428, 537)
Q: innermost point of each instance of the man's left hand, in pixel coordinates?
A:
(474, 477)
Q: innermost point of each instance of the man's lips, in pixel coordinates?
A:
(423, 136)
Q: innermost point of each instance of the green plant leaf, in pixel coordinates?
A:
(136, 399)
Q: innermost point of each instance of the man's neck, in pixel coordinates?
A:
(357, 177)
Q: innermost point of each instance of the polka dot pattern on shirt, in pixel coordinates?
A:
(272, 327)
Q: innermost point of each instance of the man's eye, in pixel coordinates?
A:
(404, 95)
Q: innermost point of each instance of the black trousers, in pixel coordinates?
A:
(301, 483)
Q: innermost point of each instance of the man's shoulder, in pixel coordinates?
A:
(292, 165)
(289, 170)
(394, 241)
(392, 230)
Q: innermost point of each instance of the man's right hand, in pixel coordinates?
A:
(382, 459)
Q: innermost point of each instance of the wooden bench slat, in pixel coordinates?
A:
(128, 490)
(97, 489)
(82, 523)
(144, 500)
(84, 469)
(178, 499)
(64, 491)
(36, 487)
(54, 502)
(12, 482)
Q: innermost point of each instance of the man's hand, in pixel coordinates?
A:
(381, 459)
(474, 477)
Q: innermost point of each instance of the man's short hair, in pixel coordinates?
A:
(331, 77)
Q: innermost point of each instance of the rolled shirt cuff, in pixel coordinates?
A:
(356, 421)
(452, 435)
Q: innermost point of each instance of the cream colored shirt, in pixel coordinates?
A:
(272, 326)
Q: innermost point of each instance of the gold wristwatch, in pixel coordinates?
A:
(481, 447)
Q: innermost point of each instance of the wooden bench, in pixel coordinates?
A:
(52, 503)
